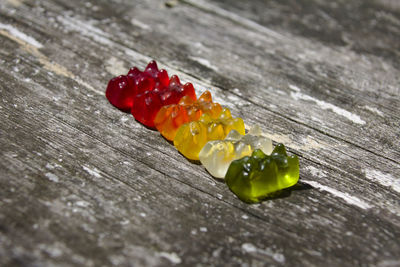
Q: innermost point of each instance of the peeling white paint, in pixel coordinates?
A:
(82, 203)
(140, 24)
(203, 229)
(237, 91)
(297, 95)
(125, 222)
(204, 62)
(250, 248)
(352, 200)
(95, 172)
(52, 177)
(374, 110)
(294, 88)
(172, 257)
(383, 179)
(49, 166)
(20, 35)
(52, 250)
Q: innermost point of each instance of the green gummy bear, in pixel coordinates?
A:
(258, 176)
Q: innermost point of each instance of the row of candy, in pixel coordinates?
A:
(203, 130)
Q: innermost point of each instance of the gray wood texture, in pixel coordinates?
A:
(83, 183)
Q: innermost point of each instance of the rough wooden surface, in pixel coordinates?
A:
(85, 184)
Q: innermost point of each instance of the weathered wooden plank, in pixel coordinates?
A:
(58, 130)
(305, 137)
(284, 126)
(75, 156)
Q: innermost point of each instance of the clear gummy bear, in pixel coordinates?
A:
(216, 156)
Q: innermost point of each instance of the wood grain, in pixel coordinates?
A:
(84, 184)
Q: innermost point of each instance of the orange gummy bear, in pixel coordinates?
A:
(171, 117)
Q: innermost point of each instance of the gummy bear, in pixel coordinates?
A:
(170, 118)
(256, 177)
(149, 102)
(216, 156)
(122, 89)
(191, 137)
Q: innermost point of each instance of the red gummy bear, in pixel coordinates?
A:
(149, 102)
(122, 89)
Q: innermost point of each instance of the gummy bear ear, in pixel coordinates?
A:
(162, 76)
(174, 80)
(188, 90)
(255, 130)
(234, 135)
(151, 67)
(258, 154)
(226, 113)
(279, 149)
(206, 96)
(133, 72)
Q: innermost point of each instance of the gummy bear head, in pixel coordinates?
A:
(161, 76)
(175, 83)
(149, 79)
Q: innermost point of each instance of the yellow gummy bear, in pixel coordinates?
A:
(191, 137)
(216, 156)
(171, 117)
